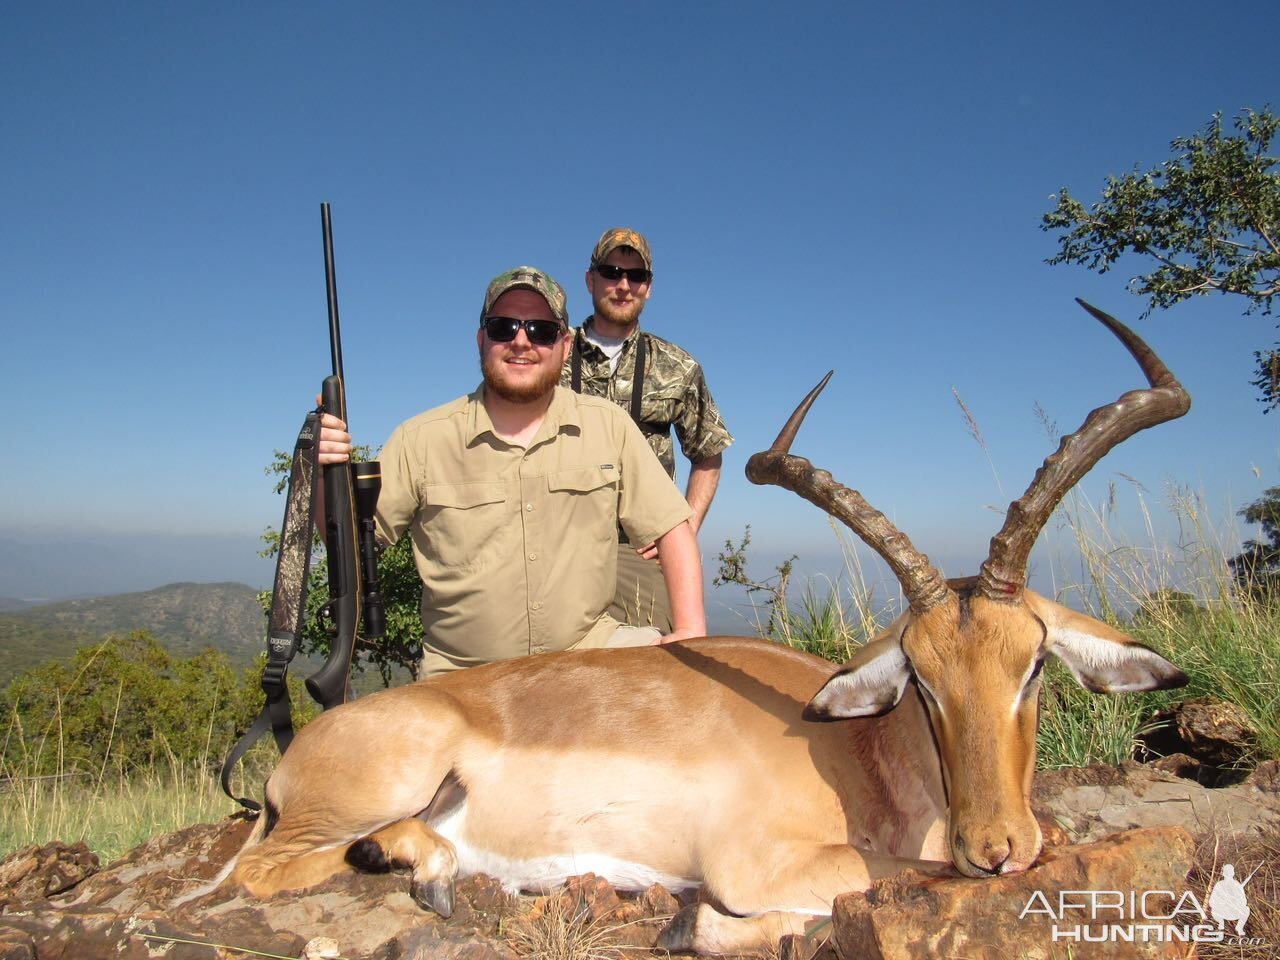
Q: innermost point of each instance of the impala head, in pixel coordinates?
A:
(972, 650)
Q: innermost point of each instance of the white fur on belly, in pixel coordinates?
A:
(542, 874)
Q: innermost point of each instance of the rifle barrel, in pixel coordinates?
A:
(331, 287)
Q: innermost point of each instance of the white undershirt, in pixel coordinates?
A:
(611, 347)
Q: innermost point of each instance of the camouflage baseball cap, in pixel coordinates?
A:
(616, 237)
(530, 278)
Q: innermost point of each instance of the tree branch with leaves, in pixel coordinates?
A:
(1209, 219)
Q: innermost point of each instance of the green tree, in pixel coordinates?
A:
(1209, 218)
(126, 702)
(397, 653)
(1256, 567)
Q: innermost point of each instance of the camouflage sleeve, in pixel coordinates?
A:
(700, 428)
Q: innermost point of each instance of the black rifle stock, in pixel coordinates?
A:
(350, 497)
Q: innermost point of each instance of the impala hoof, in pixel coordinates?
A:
(677, 936)
(435, 895)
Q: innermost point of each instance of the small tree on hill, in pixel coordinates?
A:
(1209, 218)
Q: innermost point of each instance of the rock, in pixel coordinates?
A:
(658, 902)
(321, 948)
(591, 898)
(916, 916)
(433, 944)
(1212, 732)
(125, 910)
(1181, 766)
(1093, 802)
(1265, 776)
(37, 873)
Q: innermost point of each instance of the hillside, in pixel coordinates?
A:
(185, 617)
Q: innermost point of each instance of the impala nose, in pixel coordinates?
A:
(986, 856)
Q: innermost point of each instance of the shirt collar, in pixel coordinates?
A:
(581, 333)
(562, 413)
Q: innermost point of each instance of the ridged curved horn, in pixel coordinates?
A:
(1004, 572)
(923, 585)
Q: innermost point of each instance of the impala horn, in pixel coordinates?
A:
(1004, 573)
(921, 582)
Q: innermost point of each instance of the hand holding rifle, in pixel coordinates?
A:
(335, 442)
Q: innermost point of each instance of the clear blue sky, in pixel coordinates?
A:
(851, 185)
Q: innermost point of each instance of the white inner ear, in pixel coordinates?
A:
(866, 688)
(1108, 666)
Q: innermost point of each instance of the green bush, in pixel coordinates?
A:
(125, 703)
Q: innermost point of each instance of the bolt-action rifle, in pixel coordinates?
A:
(350, 499)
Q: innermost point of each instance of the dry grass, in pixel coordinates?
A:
(563, 932)
(1260, 853)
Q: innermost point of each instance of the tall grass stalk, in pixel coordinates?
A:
(112, 808)
(111, 814)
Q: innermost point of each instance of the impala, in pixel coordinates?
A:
(704, 763)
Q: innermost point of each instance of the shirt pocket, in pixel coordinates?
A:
(586, 500)
(464, 524)
(660, 408)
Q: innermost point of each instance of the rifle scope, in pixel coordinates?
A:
(368, 483)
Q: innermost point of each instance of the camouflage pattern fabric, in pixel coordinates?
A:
(675, 395)
(616, 237)
(533, 279)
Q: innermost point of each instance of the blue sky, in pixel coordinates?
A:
(855, 186)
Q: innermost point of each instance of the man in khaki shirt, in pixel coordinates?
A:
(513, 496)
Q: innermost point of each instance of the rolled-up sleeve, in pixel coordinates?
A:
(398, 500)
(649, 503)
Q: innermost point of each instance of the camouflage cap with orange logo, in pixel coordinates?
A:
(530, 278)
(616, 237)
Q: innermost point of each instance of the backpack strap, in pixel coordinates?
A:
(637, 381)
(575, 363)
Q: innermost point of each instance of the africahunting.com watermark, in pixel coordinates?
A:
(1148, 916)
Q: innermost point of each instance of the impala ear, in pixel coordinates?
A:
(868, 685)
(1101, 658)
(1111, 666)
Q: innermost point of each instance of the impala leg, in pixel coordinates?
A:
(411, 843)
(777, 892)
(276, 865)
(700, 928)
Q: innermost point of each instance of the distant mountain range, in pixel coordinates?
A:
(185, 617)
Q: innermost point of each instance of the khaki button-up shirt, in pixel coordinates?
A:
(517, 547)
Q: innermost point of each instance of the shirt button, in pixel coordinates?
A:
(533, 556)
(537, 604)
(528, 506)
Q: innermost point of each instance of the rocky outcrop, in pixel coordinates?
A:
(1092, 802)
(1213, 741)
(126, 910)
(1021, 915)
(56, 904)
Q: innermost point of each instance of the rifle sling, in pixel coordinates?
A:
(288, 603)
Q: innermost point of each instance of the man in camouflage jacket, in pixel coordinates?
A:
(673, 393)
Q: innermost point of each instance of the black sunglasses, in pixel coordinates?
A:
(541, 333)
(636, 275)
